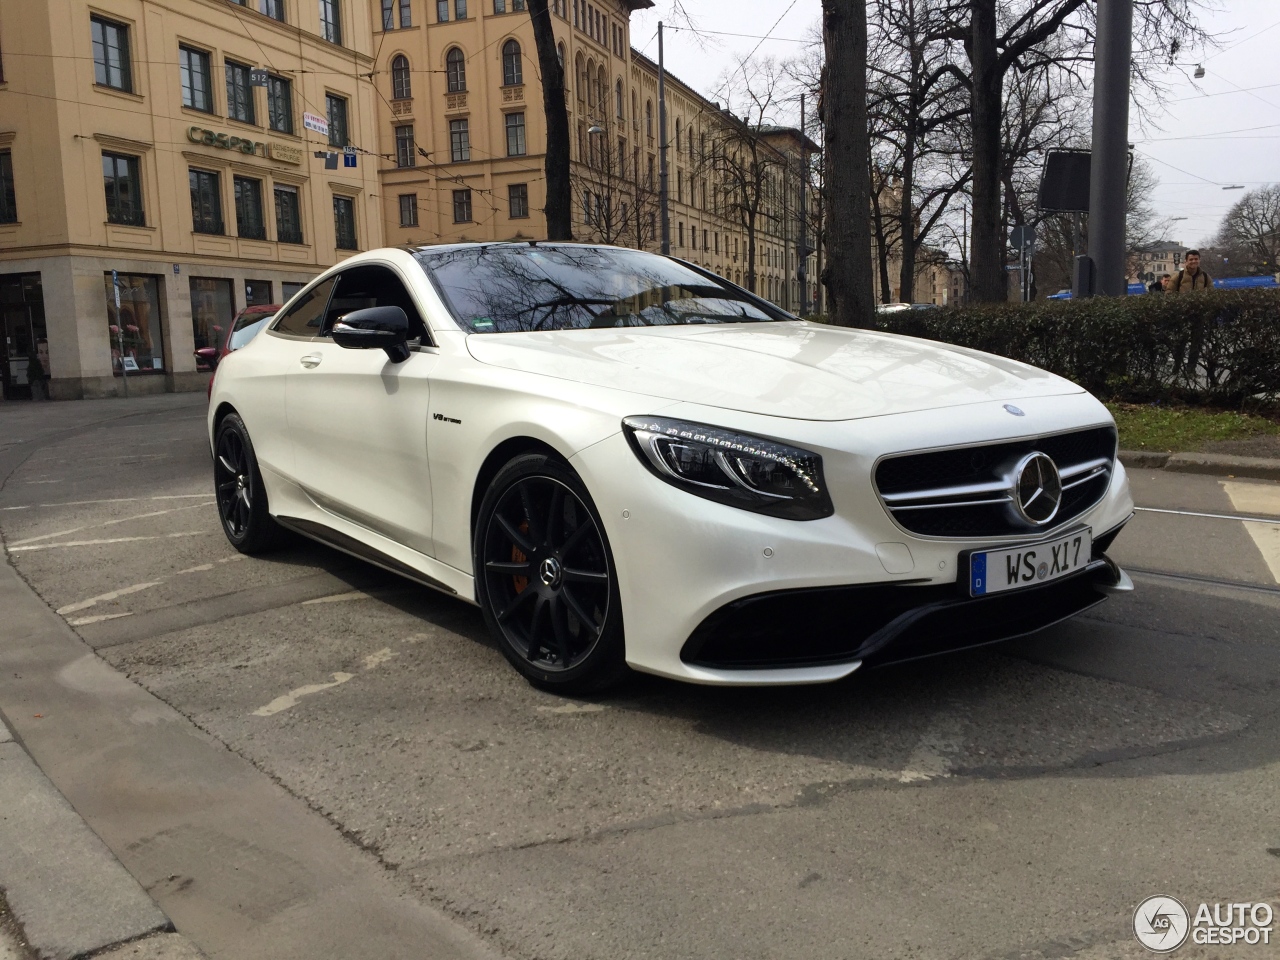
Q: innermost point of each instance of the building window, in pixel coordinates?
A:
(257, 293)
(193, 67)
(337, 107)
(111, 54)
(442, 11)
(460, 9)
(680, 227)
(499, 6)
(462, 206)
(280, 104)
(331, 21)
(620, 100)
(518, 201)
(124, 189)
(404, 146)
(648, 119)
(239, 93)
(408, 209)
(213, 311)
(512, 70)
(206, 202)
(8, 197)
(401, 85)
(273, 9)
(518, 6)
(455, 65)
(515, 135)
(250, 223)
(344, 223)
(406, 13)
(459, 141)
(134, 328)
(558, 7)
(388, 14)
(288, 215)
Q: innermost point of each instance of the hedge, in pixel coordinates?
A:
(1219, 347)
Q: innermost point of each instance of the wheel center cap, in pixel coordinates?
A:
(549, 570)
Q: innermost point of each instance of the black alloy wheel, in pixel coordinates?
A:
(545, 577)
(241, 497)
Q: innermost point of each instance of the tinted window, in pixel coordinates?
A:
(304, 317)
(503, 288)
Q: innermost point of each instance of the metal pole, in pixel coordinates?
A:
(802, 252)
(662, 147)
(1108, 181)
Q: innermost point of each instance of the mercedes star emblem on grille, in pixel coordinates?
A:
(1037, 488)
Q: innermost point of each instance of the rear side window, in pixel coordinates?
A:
(303, 319)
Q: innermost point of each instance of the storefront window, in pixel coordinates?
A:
(257, 293)
(135, 326)
(212, 310)
(24, 347)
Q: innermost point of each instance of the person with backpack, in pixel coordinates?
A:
(1190, 277)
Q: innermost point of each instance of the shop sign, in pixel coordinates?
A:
(312, 122)
(284, 152)
(227, 142)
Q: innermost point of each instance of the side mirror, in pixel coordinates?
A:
(374, 328)
(207, 358)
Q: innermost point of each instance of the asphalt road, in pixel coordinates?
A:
(1016, 802)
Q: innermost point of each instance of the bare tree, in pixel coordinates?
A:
(1250, 232)
(559, 208)
(847, 275)
(618, 204)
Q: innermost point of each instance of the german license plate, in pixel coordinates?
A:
(994, 571)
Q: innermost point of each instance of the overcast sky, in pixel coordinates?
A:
(1208, 134)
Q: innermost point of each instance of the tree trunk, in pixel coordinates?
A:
(848, 163)
(986, 248)
(559, 208)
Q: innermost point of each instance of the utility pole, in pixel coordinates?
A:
(802, 245)
(1109, 173)
(662, 148)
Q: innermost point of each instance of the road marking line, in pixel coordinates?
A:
(47, 536)
(1211, 516)
(34, 482)
(28, 507)
(94, 543)
(573, 708)
(339, 598)
(84, 503)
(291, 698)
(1259, 498)
(202, 567)
(81, 621)
(109, 523)
(378, 658)
(103, 598)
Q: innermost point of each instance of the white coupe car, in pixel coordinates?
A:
(627, 461)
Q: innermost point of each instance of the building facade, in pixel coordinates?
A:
(1152, 261)
(163, 164)
(463, 140)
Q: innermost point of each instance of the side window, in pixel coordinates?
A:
(374, 286)
(303, 319)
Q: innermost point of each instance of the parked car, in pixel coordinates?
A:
(627, 461)
(246, 325)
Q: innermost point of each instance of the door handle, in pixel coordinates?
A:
(311, 360)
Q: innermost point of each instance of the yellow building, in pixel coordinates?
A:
(158, 172)
(463, 138)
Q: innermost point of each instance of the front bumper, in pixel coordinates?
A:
(833, 592)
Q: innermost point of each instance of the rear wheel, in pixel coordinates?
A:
(241, 496)
(545, 577)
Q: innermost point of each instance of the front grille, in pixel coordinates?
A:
(965, 492)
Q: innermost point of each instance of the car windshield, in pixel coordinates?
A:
(246, 329)
(515, 288)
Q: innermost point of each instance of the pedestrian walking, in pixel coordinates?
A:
(1190, 277)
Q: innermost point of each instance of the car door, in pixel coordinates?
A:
(358, 421)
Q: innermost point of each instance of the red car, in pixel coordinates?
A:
(243, 329)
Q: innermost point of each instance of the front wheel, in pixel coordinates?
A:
(545, 578)
(241, 496)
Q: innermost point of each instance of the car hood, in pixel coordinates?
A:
(806, 371)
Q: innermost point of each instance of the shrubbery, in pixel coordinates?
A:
(1220, 347)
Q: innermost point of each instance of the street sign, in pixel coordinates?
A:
(257, 78)
(348, 159)
(1021, 237)
(115, 283)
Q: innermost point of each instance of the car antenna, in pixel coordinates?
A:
(533, 243)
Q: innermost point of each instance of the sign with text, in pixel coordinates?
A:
(284, 152)
(316, 123)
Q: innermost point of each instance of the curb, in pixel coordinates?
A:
(1214, 464)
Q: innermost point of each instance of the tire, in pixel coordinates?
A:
(240, 493)
(545, 578)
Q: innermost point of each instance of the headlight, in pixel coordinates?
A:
(734, 468)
